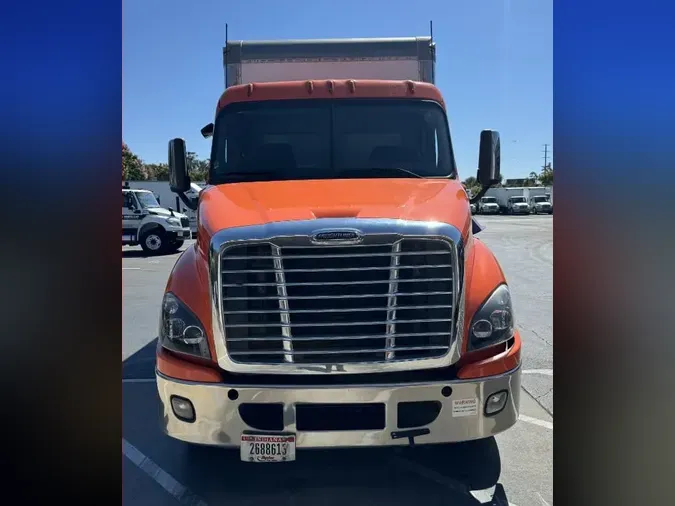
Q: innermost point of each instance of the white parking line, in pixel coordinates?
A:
(161, 477)
(543, 501)
(545, 372)
(536, 421)
(131, 268)
(484, 496)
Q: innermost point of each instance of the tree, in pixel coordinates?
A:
(157, 171)
(132, 165)
(532, 179)
(472, 185)
(199, 169)
(470, 182)
(546, 175)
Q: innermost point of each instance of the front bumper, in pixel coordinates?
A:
(521, 210)
(218, 421)
(180, 234)
(490, 210)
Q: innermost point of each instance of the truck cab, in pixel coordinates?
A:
(517, 205)
(335, 295)
(146, 223)
(541, 204)
(488, 205)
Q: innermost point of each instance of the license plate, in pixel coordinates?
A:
(267, 448)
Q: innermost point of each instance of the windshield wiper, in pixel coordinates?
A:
(366, 172)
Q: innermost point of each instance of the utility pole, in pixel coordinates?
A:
(545, 156)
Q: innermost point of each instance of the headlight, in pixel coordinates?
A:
(493, 322)
(180, 330)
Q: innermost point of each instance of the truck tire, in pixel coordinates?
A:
(153, 241)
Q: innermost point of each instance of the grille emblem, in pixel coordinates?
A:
(327, 237)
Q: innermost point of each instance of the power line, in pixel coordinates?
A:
(546, 152)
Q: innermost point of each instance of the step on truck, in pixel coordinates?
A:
(336, 295)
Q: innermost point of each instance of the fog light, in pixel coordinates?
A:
(183, 409)
(496, 402)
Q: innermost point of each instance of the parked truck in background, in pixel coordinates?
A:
(167, 198)
(335, 295)
(156, 229)
(487, 205)
(511, 200)
(517, 205)
(472, 205)
(541, 204)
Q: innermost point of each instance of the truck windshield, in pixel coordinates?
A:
(517, 200)
(147, 199)
(540, 199)
(489, 200)
(331, 139)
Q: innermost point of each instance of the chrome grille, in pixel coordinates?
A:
(338, 304)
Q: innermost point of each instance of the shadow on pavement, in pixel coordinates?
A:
(141, 365)
(429, 475)
(135, 253)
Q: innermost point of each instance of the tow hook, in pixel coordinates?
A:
(410, 434)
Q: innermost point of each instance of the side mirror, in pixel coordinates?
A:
(489, 154)
(207, 131)
(179, 180)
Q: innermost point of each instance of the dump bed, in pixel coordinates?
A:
(292, 60)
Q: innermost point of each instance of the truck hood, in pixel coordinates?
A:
(164, 213)
(242, 204)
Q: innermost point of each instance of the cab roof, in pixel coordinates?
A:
(338, 88)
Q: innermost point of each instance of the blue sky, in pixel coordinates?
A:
(494, 65)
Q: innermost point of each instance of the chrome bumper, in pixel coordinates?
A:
(219, 423)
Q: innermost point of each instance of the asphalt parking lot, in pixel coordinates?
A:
(161, 471)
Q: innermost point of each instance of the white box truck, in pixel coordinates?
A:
(512, 200)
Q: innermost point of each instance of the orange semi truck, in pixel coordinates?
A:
(335, 295)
